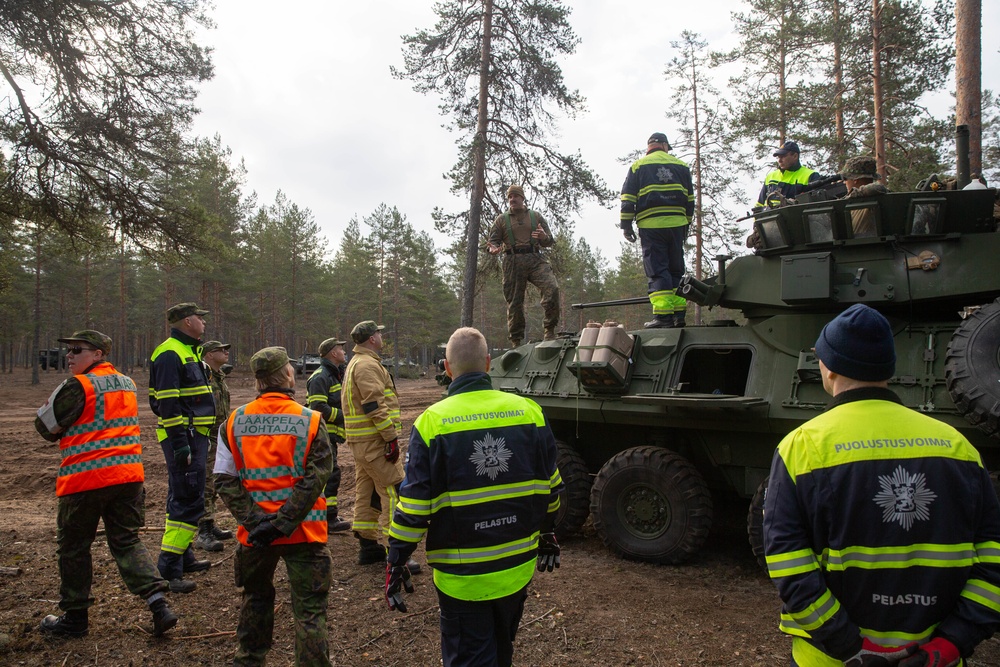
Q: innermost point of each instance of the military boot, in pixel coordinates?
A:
(660, 322)
(163, 618)
(71, 624)
(191, 564)
(335, 524)
(206, 539)
(221, 533)
(413, 566)
(678, 320)
(182, 585)
(370, 552)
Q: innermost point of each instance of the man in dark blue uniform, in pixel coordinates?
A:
(482, 483)
(881, 526)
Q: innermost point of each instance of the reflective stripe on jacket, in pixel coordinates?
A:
(480, 481)
(324, 389)
(657, 192)
(371, 408)
(789, 182)
(179, 390)
(270, 439)
(102, 447)
(881, 522)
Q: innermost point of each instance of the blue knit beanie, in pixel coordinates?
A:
(858, 345)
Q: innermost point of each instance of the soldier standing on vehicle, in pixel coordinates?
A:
(181, 398)
(323, 389)
(215, 354)
(483, 485)
(94, 416)
(859, 174)
(274, 460)
(788, 179)
(881, 526)
(658, 196)
(520, 233)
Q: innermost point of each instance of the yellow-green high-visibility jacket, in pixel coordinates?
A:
(481, 482)
(657, 192)
(323, 389)
(881, 522)
(179, 391)
(789, 182)
(371, 408)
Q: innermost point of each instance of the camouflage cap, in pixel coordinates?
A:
(362, 331)
(267, 361)
(329, 344)
(93, 338)
(213, 345)
(860, 167)
(182, 310)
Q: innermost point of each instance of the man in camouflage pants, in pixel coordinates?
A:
(273, 462)
(520, 233)
(215, 354)
(94, 417)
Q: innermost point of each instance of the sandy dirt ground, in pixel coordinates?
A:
(596, 610)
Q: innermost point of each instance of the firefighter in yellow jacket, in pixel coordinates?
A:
(271, 467)
(372, 424)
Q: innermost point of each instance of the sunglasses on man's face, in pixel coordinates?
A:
(79, 349)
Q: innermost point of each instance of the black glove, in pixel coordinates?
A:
(396, 576)
(628, 232)
(264, 533)
(938, 652)
(548, 552)
(182, 456)
(875, 655)
(392, 450)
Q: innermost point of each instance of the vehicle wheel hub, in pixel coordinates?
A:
(644, 511)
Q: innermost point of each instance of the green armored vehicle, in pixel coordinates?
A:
(679, 415)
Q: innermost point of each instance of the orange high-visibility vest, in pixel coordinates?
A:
(270, 439)
(102, 447)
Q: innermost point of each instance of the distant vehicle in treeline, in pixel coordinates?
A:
(54, 358)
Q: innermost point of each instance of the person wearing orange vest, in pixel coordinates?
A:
(520, 234)
(94, 416)
(272, 464)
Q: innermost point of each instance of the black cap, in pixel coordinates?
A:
(657, 138)
(786, 148)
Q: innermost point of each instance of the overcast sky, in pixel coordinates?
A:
(303, 93)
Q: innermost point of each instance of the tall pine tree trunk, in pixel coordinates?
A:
(840, 152)
(877, 94)
(968, 77)
(478, 174)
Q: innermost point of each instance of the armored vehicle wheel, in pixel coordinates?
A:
(755, 523)
(650, 504)
(574, 503)
(972, 368)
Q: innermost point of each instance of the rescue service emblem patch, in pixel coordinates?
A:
(904, 498)
(490, 456)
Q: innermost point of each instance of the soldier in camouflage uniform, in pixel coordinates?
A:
(273, 462)
(520, 233)
(859, 175)
(215, 354)
(94, 417)
(323, 388)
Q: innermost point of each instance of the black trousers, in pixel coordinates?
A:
(663, 256)
(480, 633)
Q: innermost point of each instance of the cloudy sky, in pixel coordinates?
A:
(303, 93)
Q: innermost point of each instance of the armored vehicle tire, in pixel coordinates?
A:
(574, 503)
(650, 504)
(755, 523)
(972, 368)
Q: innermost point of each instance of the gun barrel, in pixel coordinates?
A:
(693, 290)
(634, 301)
